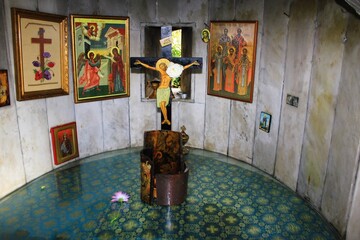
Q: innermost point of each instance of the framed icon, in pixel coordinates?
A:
(231, 59)
(4, 89)
(100, 49)
(40, 52)
(265, 121)
(64, 142)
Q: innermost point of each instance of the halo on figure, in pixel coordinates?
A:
(205, 37)
(88, 55)
(219, 46)
(112, 49)
(160, 61)
(232, 49)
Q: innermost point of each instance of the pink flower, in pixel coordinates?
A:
(120, 197)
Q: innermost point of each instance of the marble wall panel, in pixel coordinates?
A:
(143, 113)
(34, 134)
(217, 115)
(145, 13)
(243, 115)
(175, 115)
(3, 54)
(270, 82)
(86, 7)
(241, 134)
(192, 116)
(200, 80)
(60, 110)
(326, 75)
(12, 172)
(353, 230)
(297, 78)
(168, 11)
(57, 7)
(222, 10)
(196, 12)
(30, 4)
(344, 149)
(114, 8)
(143, 117)
(116, 124)
(89, 121)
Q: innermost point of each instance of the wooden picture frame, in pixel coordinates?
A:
(40, 54)
(4, 89)
(231, 59)
(265, 121)
(101, 62)
(64, 142)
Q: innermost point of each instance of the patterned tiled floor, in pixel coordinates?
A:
(226, 199)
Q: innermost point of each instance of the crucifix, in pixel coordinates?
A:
(162, 65)
(41, 41)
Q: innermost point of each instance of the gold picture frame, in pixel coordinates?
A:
(231, 59)
(64, 142)
(40, 54)
(101, 62)
(4, 89)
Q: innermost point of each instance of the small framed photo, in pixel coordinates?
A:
(265, 121)
(4, 89)
(64, 142)
(205, 35)
(232, 59)
(100, 49)
(41, 54)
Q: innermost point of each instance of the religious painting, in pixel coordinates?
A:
(4, 89)
(292, 100)
(64, 142)
(231, 59)
(100, 49)
(265, 121)
(41, 54)
(205, 35)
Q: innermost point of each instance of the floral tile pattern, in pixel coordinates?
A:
(225, 201)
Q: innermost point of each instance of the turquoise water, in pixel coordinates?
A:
(226, 199)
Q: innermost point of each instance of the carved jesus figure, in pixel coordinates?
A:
(167, 70)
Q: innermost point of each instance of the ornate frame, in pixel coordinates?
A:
(40, 73)
(231, 75)
(101, 63)
(64, 142)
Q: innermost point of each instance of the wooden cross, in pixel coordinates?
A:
(166, 53)
(41, 41)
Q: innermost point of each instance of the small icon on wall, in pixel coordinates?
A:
(292, 100)
(265, 121)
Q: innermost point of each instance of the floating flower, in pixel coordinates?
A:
(51, 64)
(46, 55)
(174, 70)
(36, 63)
(120, 197)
